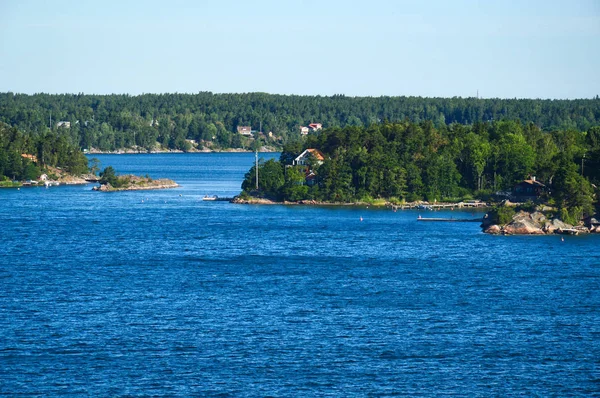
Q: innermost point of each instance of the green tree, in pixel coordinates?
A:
(108, 176)
(573, 193)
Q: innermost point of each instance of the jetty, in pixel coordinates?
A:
(437, 206)
(215, 198)
(450, 219)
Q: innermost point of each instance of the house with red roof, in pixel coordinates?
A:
(310, 153)
(315, 126)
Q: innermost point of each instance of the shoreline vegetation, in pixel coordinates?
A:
(394, 205)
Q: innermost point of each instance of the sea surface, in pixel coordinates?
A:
(158, 293)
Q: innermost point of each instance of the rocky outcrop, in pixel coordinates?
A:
(524, 223)
(133, 183)
(253, 201)
(593, 224)
(536, 223)
(493, 229)
(555, 225)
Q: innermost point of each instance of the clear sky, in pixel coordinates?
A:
(506, 49)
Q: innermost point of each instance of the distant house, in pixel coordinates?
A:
(315, 126)
(528, 190)
(304, 157)
(64, 124)
(33, 158)
(304, 130)
(245, 130)
(43, 177)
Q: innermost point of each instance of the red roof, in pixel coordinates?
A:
(316, 153)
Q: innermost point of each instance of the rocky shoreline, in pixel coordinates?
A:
(263, 201)
(310, 202)
(536, 223)
(135, 183)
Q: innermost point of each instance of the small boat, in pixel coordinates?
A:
(206, 197)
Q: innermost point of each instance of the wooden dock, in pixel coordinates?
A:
(216, 198)
(450, 219)
(438, 206)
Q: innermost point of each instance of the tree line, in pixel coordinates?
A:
(109, 122)
(44, 150)
(416, 160)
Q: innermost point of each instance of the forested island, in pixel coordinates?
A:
(207, 121)
(410, 161)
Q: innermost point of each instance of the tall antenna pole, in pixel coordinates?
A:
(256, 166)
(50, 125)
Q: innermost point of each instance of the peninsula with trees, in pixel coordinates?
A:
(31, 159)
(403, 162)
(49, 159)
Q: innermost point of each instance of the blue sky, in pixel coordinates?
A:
(505, 49)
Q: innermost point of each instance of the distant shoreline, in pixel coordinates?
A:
(177, 151)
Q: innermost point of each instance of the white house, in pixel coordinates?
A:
(302, 159)
(245, 130)
(304, 130)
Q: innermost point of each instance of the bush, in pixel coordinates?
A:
(367, 199)
(571, 215)
(413, 197)
(483, 194)
(502, 215)
(295, 193)
(528, 206)
(244, 195)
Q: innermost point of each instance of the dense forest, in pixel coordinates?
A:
(170, 121)
(413, 161)
(25, 156)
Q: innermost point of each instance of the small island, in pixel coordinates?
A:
(111, 182)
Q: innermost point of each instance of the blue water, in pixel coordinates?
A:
(102, 294)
